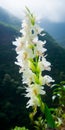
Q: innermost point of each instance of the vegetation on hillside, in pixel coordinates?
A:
(12, 109)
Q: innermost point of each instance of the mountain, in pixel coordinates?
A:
(7, 52)
(9, 29)
(12, 102)
(12, 109)
(56, 54)
(9, 19)
(56, 30)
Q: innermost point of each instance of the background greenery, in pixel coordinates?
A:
(12, 102)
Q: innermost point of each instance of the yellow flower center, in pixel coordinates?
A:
(35, 91)
(25, 55)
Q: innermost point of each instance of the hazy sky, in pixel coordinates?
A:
(53, 10)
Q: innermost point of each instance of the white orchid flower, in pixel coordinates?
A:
(31, 59)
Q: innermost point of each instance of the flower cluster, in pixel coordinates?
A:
(32, 59)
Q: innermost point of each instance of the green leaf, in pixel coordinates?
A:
(20, 128)
(49, 117)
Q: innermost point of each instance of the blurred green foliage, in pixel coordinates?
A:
(20, 128)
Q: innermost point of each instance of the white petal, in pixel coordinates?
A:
(47, 79)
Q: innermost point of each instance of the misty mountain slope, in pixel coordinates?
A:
(12, 104)
(56, 30)
(8, 19)
(7, 32)
(7, 52)
(56, 54)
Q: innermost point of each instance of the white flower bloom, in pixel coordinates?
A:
(47, 79)
(45, 64)
(33, 92)
(20, 44)
(34, 101)
(24, 24)
(25, 54)
(29, 31)
(18, 41)
(38, 28)
(22, 61)
(28, 76)
(39, 49)
(31, 59)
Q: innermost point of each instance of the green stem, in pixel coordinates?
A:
(45, 110)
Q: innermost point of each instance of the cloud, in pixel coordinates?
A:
(52, 10)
